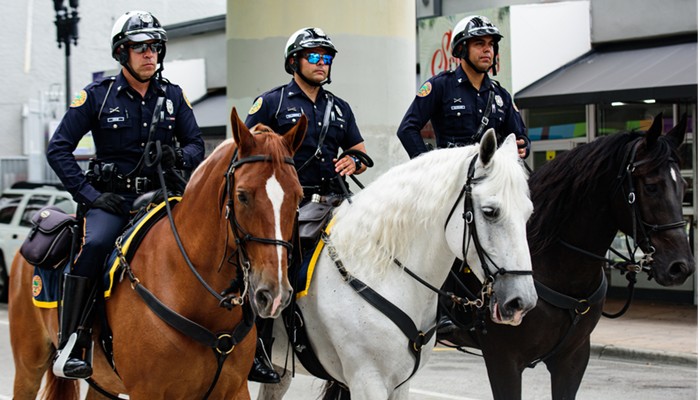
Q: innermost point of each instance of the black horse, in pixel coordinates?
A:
(627, 181)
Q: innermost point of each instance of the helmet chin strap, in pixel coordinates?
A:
(309, 81)
(135, 75)
(471, 64)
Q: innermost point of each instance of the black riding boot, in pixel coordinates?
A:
(262, 370)
(75, 342)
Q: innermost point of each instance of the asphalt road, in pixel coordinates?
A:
(454, 376)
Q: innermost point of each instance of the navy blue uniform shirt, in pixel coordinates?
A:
(456, 108)
(120, 120)
(280, 109)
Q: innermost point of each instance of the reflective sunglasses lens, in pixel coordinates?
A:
(313, 58)
(141, 47)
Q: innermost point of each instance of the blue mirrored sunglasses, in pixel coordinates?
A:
(314, 58)
(141, 47)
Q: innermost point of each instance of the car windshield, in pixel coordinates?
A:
(8, 206)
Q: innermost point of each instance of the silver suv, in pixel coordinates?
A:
(17, 206)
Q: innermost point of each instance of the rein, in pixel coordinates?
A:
(222, 344)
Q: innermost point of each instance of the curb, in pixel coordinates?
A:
(648, 356)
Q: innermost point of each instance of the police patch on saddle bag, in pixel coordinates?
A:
(48, 243)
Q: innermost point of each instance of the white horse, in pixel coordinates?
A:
(414, 214)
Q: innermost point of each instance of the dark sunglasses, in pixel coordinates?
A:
(314, 58)
(139, 48)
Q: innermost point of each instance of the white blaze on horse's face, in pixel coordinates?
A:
(276, 195)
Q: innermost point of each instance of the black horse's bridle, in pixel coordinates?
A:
(625, 175)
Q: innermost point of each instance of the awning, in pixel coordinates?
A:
(662, 73)
(210, 111)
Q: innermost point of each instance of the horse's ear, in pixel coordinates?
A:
(487, 146)
(241, 134)
(677, 134)
(655, 130)
(295, 136)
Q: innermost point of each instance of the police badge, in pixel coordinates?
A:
(169, 106)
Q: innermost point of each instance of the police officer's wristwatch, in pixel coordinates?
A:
(358, 163)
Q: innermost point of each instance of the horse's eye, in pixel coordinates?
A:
(651, 189)
(490, 212)
(242, 197)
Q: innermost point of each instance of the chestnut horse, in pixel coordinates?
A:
(626, 181)
(236, 221)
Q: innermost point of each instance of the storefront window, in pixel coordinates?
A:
(557, 123)
(616, 117)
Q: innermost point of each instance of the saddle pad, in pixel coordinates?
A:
(45, 283)
(307, 268)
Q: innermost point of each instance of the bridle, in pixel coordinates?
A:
(625, 176)
(242, 237)
(472, 235)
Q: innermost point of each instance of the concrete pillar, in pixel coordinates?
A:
(374, 70)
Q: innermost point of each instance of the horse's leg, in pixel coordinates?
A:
(505, 377)
(276, 391)
(29, 337)
(567, 368)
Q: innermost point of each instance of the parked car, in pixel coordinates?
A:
(17, 206)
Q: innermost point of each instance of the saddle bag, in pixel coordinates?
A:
(313, 217)
(49, 241)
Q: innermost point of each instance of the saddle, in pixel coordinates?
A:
(45, 282)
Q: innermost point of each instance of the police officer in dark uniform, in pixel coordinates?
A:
(459, 102)
(462, 104)
(308, 56)
(119, 111)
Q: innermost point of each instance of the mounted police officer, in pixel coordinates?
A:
(119, 111)
(308, 56)
(465, 102)
(462, 104)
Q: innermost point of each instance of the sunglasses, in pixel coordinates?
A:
(139, 48)
(314, 58)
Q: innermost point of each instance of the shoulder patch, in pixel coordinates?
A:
(425, 89)
(79, 99)
(187, 101)
(256, 106)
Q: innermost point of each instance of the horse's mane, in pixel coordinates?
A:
(579, 180)
(411, 202)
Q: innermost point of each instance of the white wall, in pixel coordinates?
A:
(544, 37)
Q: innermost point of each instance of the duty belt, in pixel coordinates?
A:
(138, 184)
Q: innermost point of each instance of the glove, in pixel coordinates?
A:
(168, 157)
(110, 202)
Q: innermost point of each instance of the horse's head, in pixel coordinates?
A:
(265, 191)
(654, 189)
(496, 209)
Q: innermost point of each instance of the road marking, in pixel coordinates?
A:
(439, 395)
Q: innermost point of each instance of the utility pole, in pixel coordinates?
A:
(66, 31)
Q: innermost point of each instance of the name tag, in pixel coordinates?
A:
(462, 107)
(115, 119)
(293, 115)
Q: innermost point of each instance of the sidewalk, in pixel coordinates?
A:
(648, 332)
